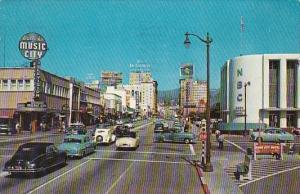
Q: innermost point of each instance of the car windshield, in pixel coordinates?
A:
(29, 152)
(72, 140)
(129, 134)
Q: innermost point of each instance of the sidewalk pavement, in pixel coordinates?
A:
(219, 182)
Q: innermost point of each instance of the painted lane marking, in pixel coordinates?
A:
(192, 149)
(133, 160)
(52, 180)
(139, 152)
(239, 147)
(3, 174)
(120, 177)
(264, 177)
(5, 156)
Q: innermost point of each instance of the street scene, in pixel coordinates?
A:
(150, 97)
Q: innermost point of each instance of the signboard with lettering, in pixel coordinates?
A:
(268, 149)
(32, 46)
(35, 106)
(186, 71)
(37, 82)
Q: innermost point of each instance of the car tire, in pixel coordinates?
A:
(187, 141)
(99, 139)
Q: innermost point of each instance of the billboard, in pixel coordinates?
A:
(186, 71)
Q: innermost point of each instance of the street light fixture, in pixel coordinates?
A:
(245, 126)
(207, 166)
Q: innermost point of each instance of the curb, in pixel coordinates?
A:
(202, 180)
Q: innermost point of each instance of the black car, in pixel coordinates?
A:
(159, 127)
(6, 129)
(120, 131)
(35, 158)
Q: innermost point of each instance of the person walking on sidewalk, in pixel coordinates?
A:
(220, 139)
(18, 127)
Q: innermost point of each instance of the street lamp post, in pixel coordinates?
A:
(245, 124)
(207, 166)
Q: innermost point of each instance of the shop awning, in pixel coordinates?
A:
(5, 113)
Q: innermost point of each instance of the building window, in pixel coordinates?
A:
(291, 119)
(13, 84)
(5, 84)
(291, 83)
(20, 85)
(274, 119)
(27, 84)
(274, 83)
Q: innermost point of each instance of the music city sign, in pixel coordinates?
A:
(32, 46)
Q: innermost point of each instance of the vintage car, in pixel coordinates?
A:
(104, 134)
(34, 158)
(128, 125)
(6, 129)
(76, 128)
(272, 135)
(120, 130)
(175, 135)
(77, 145)
(158, 127)
(128, 140)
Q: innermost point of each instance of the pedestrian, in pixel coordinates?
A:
(18, 127)
(63, 126)
(220, 139)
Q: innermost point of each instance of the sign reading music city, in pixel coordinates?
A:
(32, 46)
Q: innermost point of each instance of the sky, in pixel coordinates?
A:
(86, 37)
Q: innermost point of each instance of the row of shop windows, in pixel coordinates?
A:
(291, 119)
(16, 85)
(27, 85)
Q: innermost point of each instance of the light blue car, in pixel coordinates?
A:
(77, 145)
(272, 135)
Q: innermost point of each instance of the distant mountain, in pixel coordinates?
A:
(168, 95)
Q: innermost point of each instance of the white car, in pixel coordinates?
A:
(128, 140)
(128, 125)
(104, 135)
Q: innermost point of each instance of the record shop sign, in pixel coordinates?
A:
(32, 46)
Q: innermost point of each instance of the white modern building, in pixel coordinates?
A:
(272, 98)
(147, 98)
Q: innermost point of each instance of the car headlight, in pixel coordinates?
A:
(31, 165)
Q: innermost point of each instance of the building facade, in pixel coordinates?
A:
(110, 78)
(273, 96)
(32, 99)
(137, 77)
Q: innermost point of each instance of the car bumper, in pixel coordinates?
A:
(9, 170)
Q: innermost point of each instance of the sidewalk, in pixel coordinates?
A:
(219, 182)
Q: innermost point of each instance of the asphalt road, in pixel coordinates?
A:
(152, 168)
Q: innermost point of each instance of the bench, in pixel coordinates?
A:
(243, 170)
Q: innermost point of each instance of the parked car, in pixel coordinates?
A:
(6, 129)
(119, 122)
(104, 134)
(174, 135)
(128, 140)
(34, 158)
(272, 135)
(77, 145)
(296, 131)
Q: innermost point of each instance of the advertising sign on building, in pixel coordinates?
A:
(32, 46)
(186, 71)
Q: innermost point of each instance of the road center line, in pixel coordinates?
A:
(264, 177)
(192, 149)
(133, 160)
(50, 181)
(120, 177)
(139, 152)
(239, 147)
